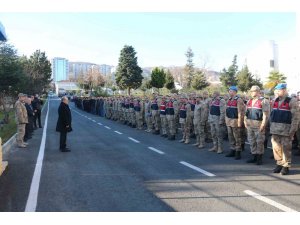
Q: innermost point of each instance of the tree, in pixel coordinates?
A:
(199, 81)
(11, 76)
(37, 69)
(245, 80)
(228, 77)
(189, 68)
(93, 79)
(158, 78)
(169, 81)
(274, 78)
(128, 74)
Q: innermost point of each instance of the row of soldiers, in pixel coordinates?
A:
(205, 116)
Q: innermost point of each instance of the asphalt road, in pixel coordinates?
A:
(113, 167)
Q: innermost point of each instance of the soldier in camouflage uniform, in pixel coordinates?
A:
(256, 118)
(155, 114)
(171, 114)
(163, 118)
(138, 108)
(197, 118)
(21, 120)
(148, 117)
(216, 119)
(185, 119)
(284, 124)
(234, 117)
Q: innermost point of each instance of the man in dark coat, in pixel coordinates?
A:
(64, 123)
(30, 114)
(37, 107)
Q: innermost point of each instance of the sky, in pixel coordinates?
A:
(160, 39)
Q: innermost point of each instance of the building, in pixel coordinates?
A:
(105, 70)
(66, 87)
(263, 59)
(76, 69)
(2, 33)
(60, 69)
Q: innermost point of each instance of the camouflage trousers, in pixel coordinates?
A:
(164, 124)
(186, 128)
(216, 133)
(132, 116)
(171, 124)
(256, 140)
(282, 150)
(139, 119)
(156, 119)
(234, 135)
(149, 123)
(20, 134)
(298, 137)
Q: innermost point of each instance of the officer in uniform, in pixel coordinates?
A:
(155, 114)
(138, 108)
(185, 117)
(171, 113)
(298, 131)
(216, 120)
(21, 120)
(284, 124)
(163, 119)
(196, 119)
(234, 117)
(256, 118)
(148, 117)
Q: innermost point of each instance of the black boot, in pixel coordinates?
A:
(254, 160)
(231, 154)
(172, 137)
(284, 171)
(277, 169)
(243, 146)
(259, 159)
(237, 155)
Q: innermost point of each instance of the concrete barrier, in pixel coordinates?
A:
(3, 164)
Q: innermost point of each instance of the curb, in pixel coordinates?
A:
(11, 142)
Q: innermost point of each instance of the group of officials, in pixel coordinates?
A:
(234, 116)
(27, 114)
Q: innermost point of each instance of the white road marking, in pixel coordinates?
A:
(94, 121)
(269, 201)
(198, 169)
(156, 150)
(35, 183)
(100, 124)
(107, 127)
(136, 141)
(118, 132)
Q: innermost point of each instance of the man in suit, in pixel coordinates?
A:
(37, 107)
(64, 123)
(30, 114)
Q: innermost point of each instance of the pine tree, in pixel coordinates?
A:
(189, 68)
(128, 74)
(199, 81)
(228, 77)
(245, 80)
(169, 81)
(158, 78)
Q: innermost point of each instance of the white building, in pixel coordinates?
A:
(60, 69)
(263, 59)
(77, 69)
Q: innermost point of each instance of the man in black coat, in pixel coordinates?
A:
(30, 114)
(64, 123)
(37, 107)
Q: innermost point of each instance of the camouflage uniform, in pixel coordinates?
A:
(21, 120)
(172, 105)
(185, 119)
(155, 115)
(163, 118)
(138, 108)
(256, 118)
(234, 117)
(204, 107)
(196, 122)
(216, 119)
(148, 117)
(284, 124)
